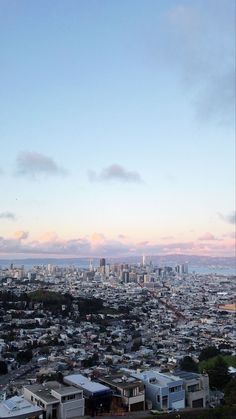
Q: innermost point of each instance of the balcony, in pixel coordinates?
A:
(135, 399)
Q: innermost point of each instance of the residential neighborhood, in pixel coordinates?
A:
(112, 338)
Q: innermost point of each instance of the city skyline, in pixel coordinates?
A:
(117, 128)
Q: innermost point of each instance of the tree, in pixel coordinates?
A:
(137, 342)
(24, 356)
(3, 368)
(208, 352)
(230, 392)
(44, 350)
(188, 364)
(52, 376)
(217, 370)
(90, 362)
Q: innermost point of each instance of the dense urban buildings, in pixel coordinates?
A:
(112, 338)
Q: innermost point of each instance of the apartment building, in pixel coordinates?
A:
(196, 388)
(18, 408)
(57, 401)
(97, 396)
(165, 391)
(128, 392)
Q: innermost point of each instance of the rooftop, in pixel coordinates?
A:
(42, 393)
(18, 406)
(185, 375)
(121, 380)
(83, 382)
(157, 378)
(66, 391)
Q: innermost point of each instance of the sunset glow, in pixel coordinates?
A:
(117, 128)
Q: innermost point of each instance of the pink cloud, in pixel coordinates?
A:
(21, 235)
(231, 235)
(142, 244)
(49, 236)
(207, 236)
(97, 238)
(98, 245)
(122, 237)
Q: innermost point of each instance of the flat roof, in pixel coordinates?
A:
(162, 379)
(84, 383)
(42, 393)
(121, 380)
(64, 390)
(185, 375)
(18, 406)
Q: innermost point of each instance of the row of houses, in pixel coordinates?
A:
(123, 391)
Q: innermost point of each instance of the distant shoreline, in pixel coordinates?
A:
(200, 265)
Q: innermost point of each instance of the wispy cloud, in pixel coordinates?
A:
(231, 235)
(228, 218)
(207, 236)
(35, 164)
(21, 235)
(203, 61)
(8, 215)
(98, 245)
(115, 172)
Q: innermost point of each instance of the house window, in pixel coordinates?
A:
(174, 389)
(126, 393)
(193, 388)
(152, 380)
(135, 391)
(158, 398)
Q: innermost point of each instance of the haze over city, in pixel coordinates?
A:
(117, 128)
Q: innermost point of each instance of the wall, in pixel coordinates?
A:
(71, 409)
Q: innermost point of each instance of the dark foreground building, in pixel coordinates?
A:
(97, 396)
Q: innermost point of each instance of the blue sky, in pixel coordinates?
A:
(117, 127)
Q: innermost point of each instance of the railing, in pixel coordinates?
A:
(134, 399)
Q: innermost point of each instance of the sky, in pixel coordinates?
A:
(117, 128)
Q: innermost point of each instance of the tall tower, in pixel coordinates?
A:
(102, 262)
(91, 265)
(144, 260)
(102, 266)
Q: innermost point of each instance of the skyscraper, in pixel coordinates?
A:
(125, 277)
(102, 266)
(144, 260)
(102, 262)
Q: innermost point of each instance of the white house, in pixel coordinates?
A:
(57, 402)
